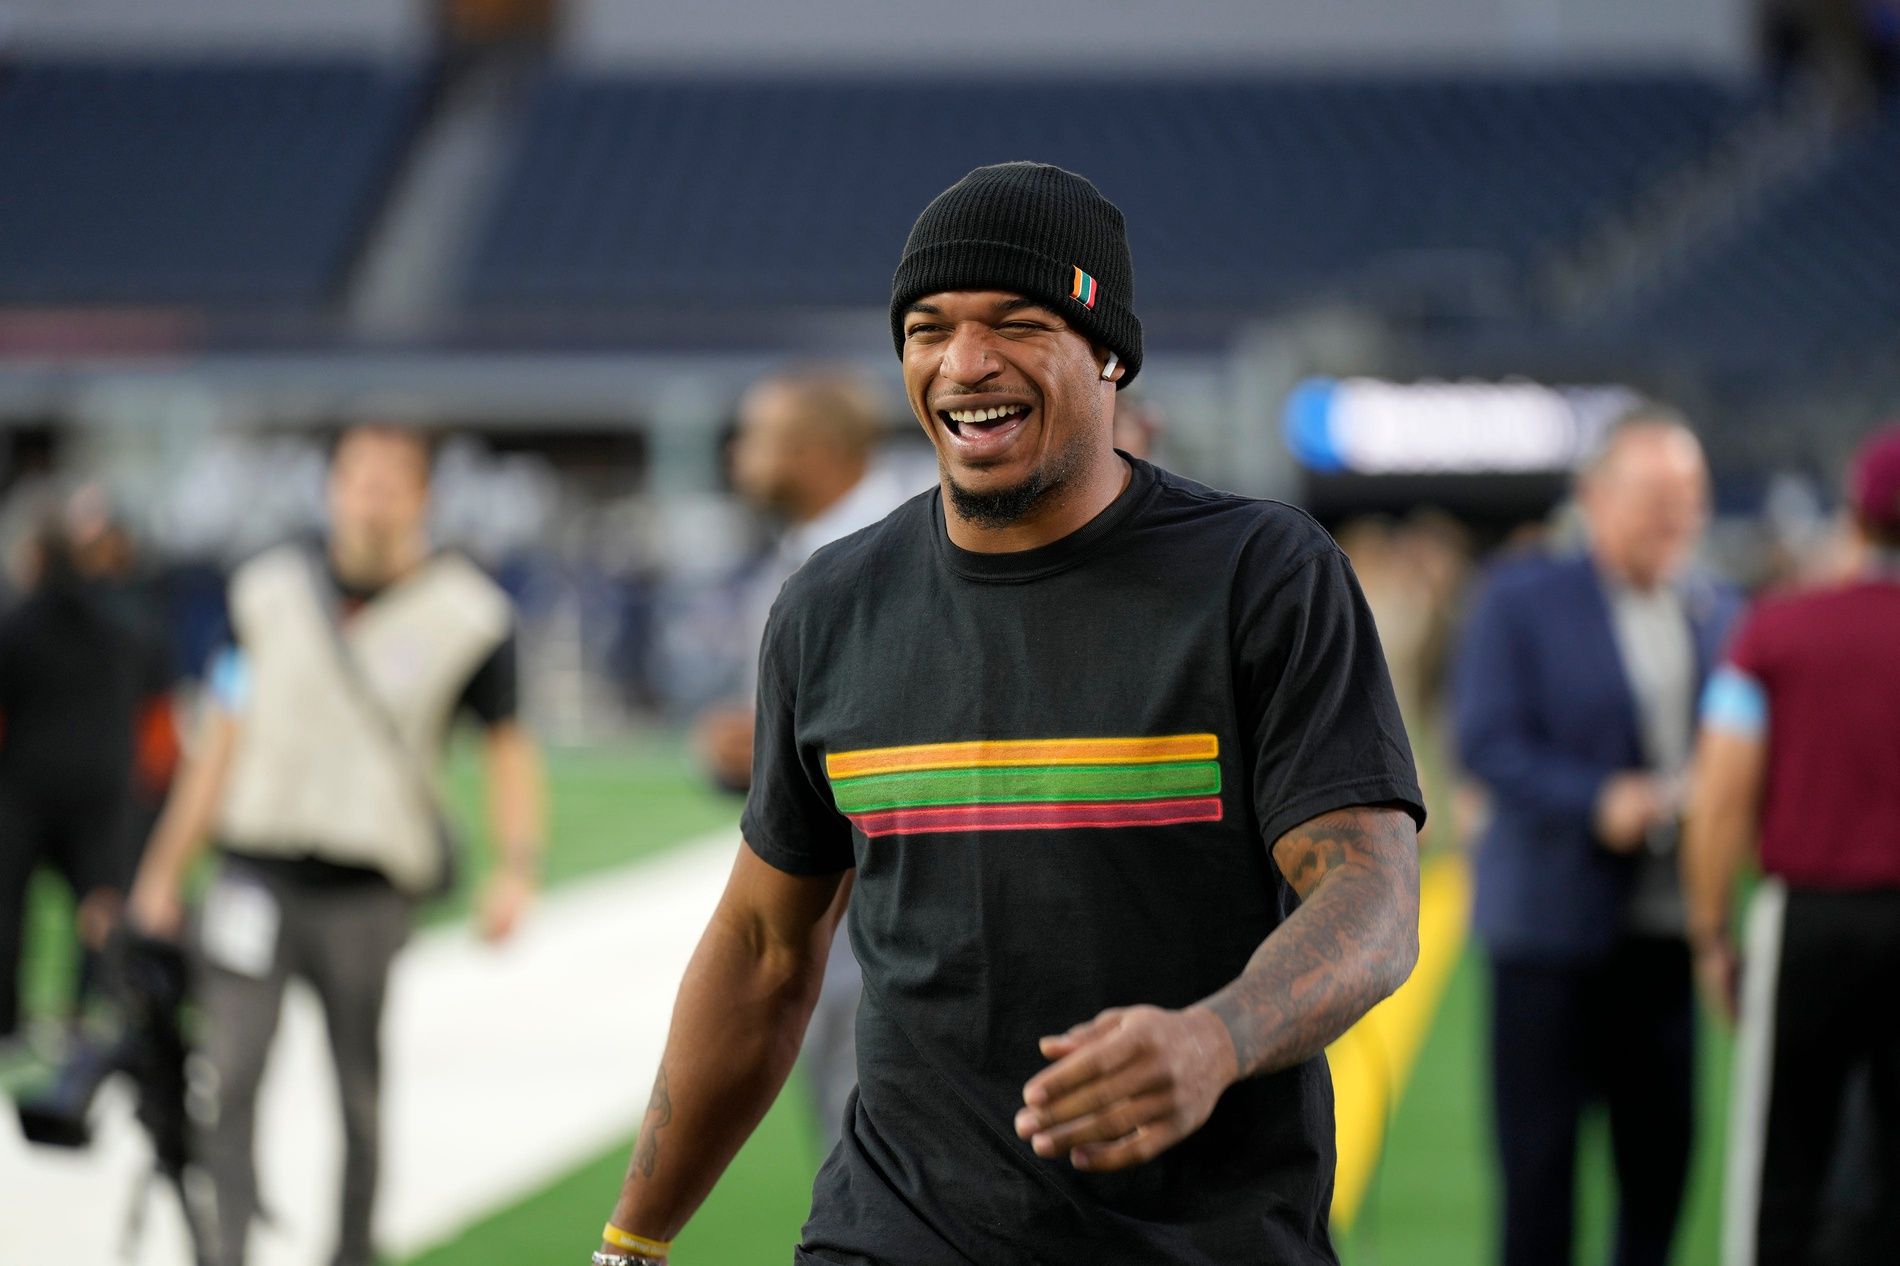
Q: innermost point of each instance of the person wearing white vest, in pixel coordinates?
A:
(316, 776)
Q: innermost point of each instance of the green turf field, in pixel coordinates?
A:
(1431, 1203)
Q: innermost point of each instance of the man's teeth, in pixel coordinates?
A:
(967, 416)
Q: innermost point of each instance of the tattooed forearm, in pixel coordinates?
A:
(659, 1113)
(1352, 941)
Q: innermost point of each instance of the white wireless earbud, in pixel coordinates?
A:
(1108, 370)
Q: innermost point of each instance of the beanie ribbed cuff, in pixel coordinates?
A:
(1026, 228)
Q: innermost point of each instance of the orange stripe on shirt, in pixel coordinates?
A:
(1009, 752)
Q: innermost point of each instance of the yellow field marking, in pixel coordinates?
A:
(1373, 1060)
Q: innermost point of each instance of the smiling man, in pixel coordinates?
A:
(1113, 764)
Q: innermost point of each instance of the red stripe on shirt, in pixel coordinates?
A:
(1037, 817)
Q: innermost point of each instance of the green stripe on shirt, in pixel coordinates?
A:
(1021, 785)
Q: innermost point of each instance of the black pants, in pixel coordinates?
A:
(1821, 1009)
(342, 939)
(81, 836)
(1564, 1036)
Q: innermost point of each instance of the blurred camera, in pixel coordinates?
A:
(146, 986)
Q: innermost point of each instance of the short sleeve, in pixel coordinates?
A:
(1735, 703)
(789, 819)
(229, 679)
(1317, 707)
(493, 692)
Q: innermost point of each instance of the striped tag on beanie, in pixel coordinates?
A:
(1083, 289)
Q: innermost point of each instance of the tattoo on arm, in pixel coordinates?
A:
(1313, 850)
(1351, 942)
(659, 1113)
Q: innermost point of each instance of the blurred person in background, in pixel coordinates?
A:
(806, 454)
(1575, 699)
(106, 552)
(1799, 763)
(1414, 574)
(316, 775)
(81, 686)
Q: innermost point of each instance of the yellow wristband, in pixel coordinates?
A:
(636, 1243)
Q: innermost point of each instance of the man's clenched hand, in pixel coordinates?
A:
(1127, 1085)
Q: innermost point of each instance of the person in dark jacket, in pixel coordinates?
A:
(76, 680)
(1575, 702)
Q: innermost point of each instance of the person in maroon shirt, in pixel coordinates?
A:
(1800, 754)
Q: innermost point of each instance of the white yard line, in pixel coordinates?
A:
(505, 1068)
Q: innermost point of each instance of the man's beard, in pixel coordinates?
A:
(1003, 507)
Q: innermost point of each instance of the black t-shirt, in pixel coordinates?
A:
(1058, 774)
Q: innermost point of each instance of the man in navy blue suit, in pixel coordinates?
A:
(1575, 700)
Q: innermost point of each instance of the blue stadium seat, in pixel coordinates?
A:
(638, 194)
(1812, 279)
(243, 184)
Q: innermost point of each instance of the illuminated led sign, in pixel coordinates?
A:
(1369, 426)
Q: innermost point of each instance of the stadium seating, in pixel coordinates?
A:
(1811, 278)
(1239, 194)
(251, 184)
(244, 184)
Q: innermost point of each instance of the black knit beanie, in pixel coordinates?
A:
(1037, 230)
